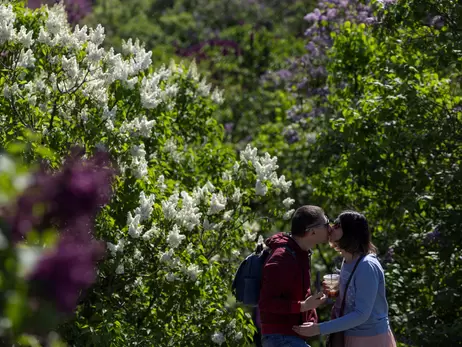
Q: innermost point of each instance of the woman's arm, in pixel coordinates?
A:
(367, 284)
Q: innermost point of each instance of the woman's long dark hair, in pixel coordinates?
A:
(356, 237)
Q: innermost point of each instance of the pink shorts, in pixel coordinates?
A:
(383, 340)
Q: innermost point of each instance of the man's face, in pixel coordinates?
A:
(320, 231)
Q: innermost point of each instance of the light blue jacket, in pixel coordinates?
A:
(366, 307)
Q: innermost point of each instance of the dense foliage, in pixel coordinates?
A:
(391, 147)
(359, 101)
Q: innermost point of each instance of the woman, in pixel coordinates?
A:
(365, 318)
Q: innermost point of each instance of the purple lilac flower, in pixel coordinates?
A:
(62, 274)
(69, 201)
(388, 258)
(309, 73)
(284, 74)
(331, 13)
(313, 16)
(76, 9)
(79, 190)
(229, 127)
(434, 235)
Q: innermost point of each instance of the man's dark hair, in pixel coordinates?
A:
(356, 237)
(304, 217)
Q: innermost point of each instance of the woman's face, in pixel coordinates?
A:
(336, 232)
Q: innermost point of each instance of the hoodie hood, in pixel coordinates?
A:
(280, 240)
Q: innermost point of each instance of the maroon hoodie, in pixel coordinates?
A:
(286, 282)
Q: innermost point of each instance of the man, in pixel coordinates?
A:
(285, 296)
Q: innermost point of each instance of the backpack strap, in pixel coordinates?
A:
(291, 251)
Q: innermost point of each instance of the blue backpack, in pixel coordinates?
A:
(247, 280)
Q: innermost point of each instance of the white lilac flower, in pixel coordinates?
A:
(43, 37)
(128, 47)
(170, 277)
(3, 241)
(109, 114)
(282, 184)
(120, 269)
(161, 183)
(154, 231)
(217, 96)
(7, 164)
(140, 126)
(201, 194)
(26, 58)
(10, 91)
(288, 214)
(131, 82)
(137, 255)
(138, 151)
(167, 257)
(56, 22)
(138, 282)
(22, 181)
(218, 338)
(139, 167)
(146, 206)
(260, 188)
(215, 258)
(174, 237)
(192, 72)
(249, 154)
(288, 202)
(80, 34)
(192, 272)
(190, 249)
(227, 215)
(189, 215)
(171, 91)
(94, 54)
(217, 203)
(235, 253)
(209, 187)
(207, 225)
(203, 89)
(71, 67)
(236, 167)
(226, 176)
(118, 248)
(25, 37)
(134, 227)
(150, 91)
(7, 20)
(248, 236)
(169, 209)
(96, 90)
(238, 336)
(265, 167)
(170, 146)
(237, 195)
(142, 58)
(97, 35)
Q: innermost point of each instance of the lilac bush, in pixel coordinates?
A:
(306, 76)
